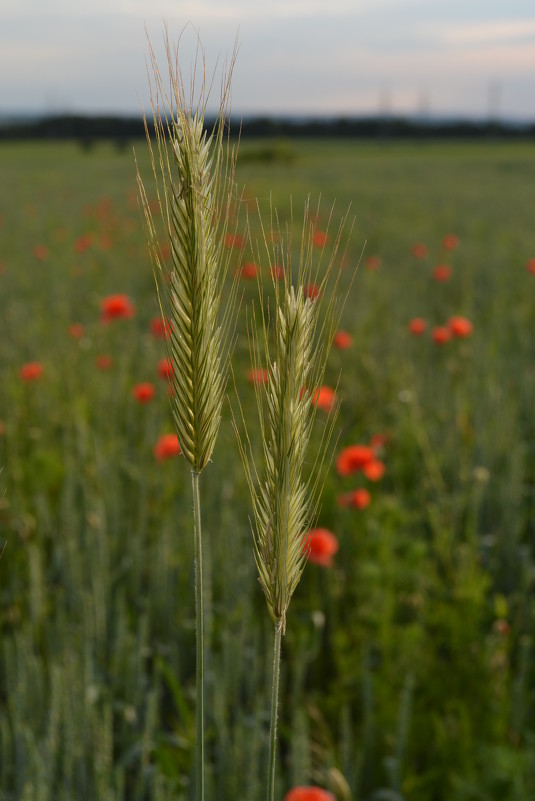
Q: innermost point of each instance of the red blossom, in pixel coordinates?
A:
(83, 243)
(166, 447)
(104, 361)
(442, 273)
(248, 270)
(417, 326)
(373, 263)
(31, 371)
(320, 239)
(234, 241)
(374, 470)
(303, 793)
(41, 252)
(450, 242)
(76, 330)
(419, 250)
(353, 458)
(321, 545)
(165, 252)
(257, 375)
(377, 441)
(324, 398)
(161, 329)
(502, 626)
(460, 327)
(165, 369)
(530, 266)
(312, 290)
(357, 499)
(441, 334)
(116, 307)
(342, 340)
(277, 272)
(143, 392)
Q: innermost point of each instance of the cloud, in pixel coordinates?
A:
(244, 10)
(296, 56)
(483, 34)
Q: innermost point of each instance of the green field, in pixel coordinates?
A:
(408, 663)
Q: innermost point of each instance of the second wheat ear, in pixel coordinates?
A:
(291, 351)
(194, 174)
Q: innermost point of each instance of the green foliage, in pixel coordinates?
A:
(408, 664)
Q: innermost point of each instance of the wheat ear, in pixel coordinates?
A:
(194, 174)
(285, 495)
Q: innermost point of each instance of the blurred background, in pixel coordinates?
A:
(421, 58)
(409, 659)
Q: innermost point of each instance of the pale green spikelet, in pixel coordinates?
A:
(194, 177)
(285, 492)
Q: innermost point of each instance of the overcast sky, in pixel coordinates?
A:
(318, 57)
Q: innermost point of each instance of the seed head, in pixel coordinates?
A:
(194, 171)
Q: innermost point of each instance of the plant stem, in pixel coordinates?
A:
(199, 620)
(274, 710)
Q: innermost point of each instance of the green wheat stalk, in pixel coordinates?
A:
(194, 175)
(292, 345)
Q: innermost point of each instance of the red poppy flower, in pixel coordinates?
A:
(378, 440)
(83, 243)
(373, 263)
(248, 270)
(312, 291)
(40, 252)
(357, 499)
(374, 470)
(31, 371)
(116, 307)
(277, 272)
(353, 458)
(104, 362)
(502, 626)
(76, 330)
(324, 398)
(165, 252)
(308, 794)
(321, 545)
(441, 335)
(234, 241)
(442, 273)
(419, 250)
(417, 326)
(166, 447)
(460, 327)
(450, 242)
(161, 329)
(530, 266)
(342, 340)
(257, 375)
(143, 392)
(165, 369)
(320, 239)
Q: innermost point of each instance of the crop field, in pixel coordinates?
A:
(408, 663)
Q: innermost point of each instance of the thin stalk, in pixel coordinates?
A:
(199, 640)
(274, 710)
